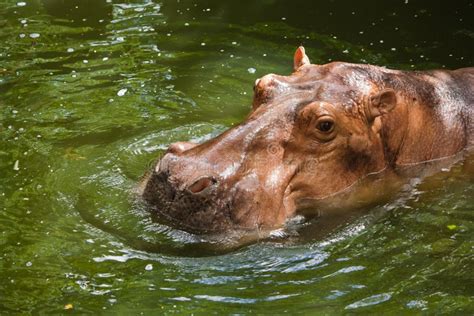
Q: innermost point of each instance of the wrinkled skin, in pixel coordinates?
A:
(310, 137)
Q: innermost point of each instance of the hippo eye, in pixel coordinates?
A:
(325, 126)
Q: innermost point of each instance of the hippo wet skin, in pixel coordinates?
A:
(310, 137)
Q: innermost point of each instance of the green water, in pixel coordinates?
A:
(91, 92)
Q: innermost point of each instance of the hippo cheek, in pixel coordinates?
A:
(245, 205)
(261, 202)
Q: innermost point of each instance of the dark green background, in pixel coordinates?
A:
(70, 231)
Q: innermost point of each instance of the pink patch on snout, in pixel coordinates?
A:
(180, 147)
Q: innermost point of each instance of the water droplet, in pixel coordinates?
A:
(122, 92)
(251, 70)
(70, 50)
(149, 267)
(16, 166)
(21, 4)
(29, 264)
(203, 44)
(34, 35)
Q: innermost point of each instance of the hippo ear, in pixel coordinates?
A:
(381, 103)
(300, 58)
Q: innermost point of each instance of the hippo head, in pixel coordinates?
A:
(309, 136)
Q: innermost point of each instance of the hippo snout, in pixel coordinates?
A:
(184, 196)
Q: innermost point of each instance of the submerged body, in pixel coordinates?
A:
(312, 137)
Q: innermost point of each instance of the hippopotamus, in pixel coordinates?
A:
(311, 137)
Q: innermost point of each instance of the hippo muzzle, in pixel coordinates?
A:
(184, 195)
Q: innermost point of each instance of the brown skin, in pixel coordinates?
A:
(312, 136)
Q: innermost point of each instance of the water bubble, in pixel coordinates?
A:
(149, 267)
(122, 92)
(29, 264)
(420, 304)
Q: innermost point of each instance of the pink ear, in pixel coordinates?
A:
(300, 58)
(381, 103)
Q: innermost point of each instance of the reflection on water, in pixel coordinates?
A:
(91, 92)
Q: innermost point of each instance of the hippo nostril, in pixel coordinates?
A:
(163, 165)
(202, 184)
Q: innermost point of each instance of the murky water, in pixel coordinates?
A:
(91, 92)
